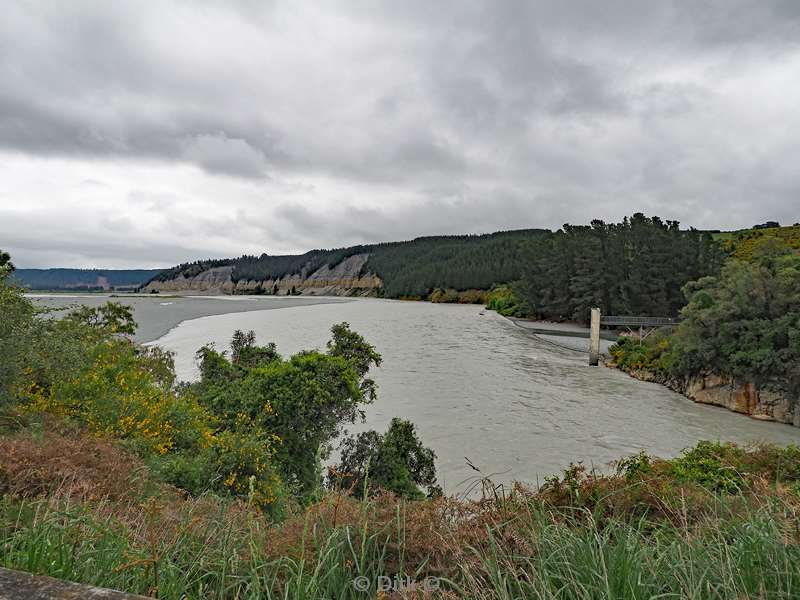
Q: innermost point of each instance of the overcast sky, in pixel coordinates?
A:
(142, 134)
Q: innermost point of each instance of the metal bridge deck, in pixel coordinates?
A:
(631, 321)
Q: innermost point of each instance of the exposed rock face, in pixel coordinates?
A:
(345, 279)
(745, 398)
(212, 281)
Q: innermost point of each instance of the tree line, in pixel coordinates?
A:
(637, 266)
(743, 323)
(73, 279)
(418, 267)
(410, 268)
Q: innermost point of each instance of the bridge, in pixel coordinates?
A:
(631, 321)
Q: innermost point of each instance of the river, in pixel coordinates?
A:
(481, 388)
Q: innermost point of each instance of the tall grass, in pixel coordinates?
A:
(720, 521)
(222, 559)
(750, 555)
(745, 559)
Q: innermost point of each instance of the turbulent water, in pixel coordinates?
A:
(479, 387)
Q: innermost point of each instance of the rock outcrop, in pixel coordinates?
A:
(212, 281)
(344, 279)
(745, 398)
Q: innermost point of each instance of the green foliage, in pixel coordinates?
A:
(658, 529)
(303, 401)
(637, 266)
(440, 296)
(116, 389)
(395, 461)
(739, 558)
(17, 318)
(654, 353)
(190, 269)
(741, 244)
(416, 268)
(6, 266)
(505, 301)
(245, 353)
(111, 317)
(634, 267)
(359, 354)
(266, 267)
(745, 323)
(635, 467)
(712, 465)
(84, 368)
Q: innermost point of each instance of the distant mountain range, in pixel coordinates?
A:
(83, 279)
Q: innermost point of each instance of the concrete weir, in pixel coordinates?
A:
(15, 585)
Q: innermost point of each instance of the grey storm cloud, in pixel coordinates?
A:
(296, 125)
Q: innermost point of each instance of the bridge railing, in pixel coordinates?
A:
(632, 321)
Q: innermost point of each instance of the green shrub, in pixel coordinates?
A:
(504, 300)
(395, 461)
(301, 402)
(115, 392)
(714, 466)
(746, 322)
(654, 353)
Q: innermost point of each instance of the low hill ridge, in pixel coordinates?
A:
(411, 268)
(59, 279)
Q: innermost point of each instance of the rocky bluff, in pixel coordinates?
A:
(344, 279)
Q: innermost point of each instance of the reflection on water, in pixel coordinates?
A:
(477, 386)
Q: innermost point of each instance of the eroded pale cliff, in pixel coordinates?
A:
(344, 279)
(211, 281)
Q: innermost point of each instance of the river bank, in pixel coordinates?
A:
(717, 390)
(709, 388)
(156, 315)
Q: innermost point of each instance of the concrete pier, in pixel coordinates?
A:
(594, 338)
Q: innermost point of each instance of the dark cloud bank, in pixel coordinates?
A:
(147, 133)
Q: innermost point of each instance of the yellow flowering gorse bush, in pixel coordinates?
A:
(115, 394)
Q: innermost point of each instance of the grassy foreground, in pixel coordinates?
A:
(718, 522)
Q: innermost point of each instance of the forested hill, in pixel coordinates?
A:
(83, 279)
(403, 269)
(636, 266)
